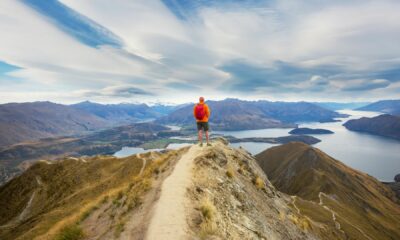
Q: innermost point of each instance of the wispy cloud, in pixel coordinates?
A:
(123, 91)
(75, 24)
(366, 85)
(170, 50)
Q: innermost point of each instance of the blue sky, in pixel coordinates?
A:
(173, 51)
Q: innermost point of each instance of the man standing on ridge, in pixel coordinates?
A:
(201, 113)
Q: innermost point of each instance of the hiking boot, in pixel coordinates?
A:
(209, 144)
(200, 144)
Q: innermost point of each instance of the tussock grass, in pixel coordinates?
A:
(105, 199)
(71, 232)
(208, 225)
(207, 209)
(119, 228)
(258, 182)
(230, 173)
(301, 222)
(87, 213)
(119, 195)
(282, 216)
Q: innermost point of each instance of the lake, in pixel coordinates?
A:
(377, 156)
(127, 151)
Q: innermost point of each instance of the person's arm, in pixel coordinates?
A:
(194, 111)
(208, 111)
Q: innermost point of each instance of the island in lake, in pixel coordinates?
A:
(303, 131)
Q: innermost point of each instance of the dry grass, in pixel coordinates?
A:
(301, 222)
(119, 228)
(71, 232)
(230, 172)
(259, 183)
(207, 209)
(208, 226)
(87, 213)
(282, 216)
(77, 190)
(241, 170)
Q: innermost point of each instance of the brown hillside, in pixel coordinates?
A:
(354, 204)
(50, 199)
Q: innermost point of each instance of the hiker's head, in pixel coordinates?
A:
(201, 99)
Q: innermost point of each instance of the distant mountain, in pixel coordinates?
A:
(124, 113)
(30, 121)
(350, 204)
(385, 106)
(302, 131)
(384, 125)
(166, 109)
(234, 114)
(339, 106)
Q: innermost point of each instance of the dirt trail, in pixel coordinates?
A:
(169, 219)
(334, 214)
(27, 208)
(321, 203)
(144, 163)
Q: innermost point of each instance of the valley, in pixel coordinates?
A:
(17, 158)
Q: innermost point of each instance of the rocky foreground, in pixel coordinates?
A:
(215, 192)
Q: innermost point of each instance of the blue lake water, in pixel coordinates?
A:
(127, 151)
(377, 156)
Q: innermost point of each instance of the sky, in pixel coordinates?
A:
(174, 50)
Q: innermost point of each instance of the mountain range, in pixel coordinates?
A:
(30, 121)
(339, 106)
(352, 204)
(235, 114)
(125, 113)
(384, 106)
(383, 125)
(21, 122)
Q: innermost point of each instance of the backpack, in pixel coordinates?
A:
(200, 111)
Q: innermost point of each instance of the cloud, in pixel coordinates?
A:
(217, 48)
(116, 91)
(182, 86)
(250, 77)
(75, 24)
(364, 85)
(319, 80)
